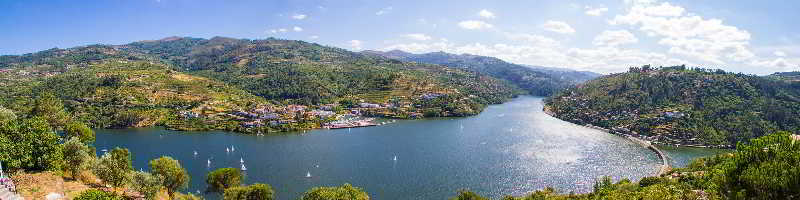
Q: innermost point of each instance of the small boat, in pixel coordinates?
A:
(227, 149)
(308, 174)
(244, 168)
(241, 160)
(195, 153)
(233, 148)
(209, 162)
(395, 158)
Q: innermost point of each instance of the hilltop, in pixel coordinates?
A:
(239, 84)
(541, 81)
(676, 105)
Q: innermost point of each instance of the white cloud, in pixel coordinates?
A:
(780, 53)
(689, 35)
(355, 44)
(384, 11)
(313, 37)
(535, 40)
(280, 30)
(596, 11)
(486, 14)
(297, 29)
(417, 36)
(614, 38)
(474, 24)
(299, 16)
(558, 27)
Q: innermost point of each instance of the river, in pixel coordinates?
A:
(509, 149)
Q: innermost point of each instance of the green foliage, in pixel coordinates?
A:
(148, 185)
(80, 130)
(76, 157)
(175, 176)
(675, 105)
(30, 144)
(95, 194)
(50, 108)
(114, 167)
(468, 195)
(344, 192)
(224, 178)
(6, 115)
(256, 191)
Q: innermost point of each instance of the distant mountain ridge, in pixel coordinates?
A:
(542, 81)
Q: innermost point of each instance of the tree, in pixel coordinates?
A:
(175, 176)
(80, 130)
(114, 167)
(50, 108)
(256, 191)
(148, 185)
(343, 192)
(95, 194)
(468, 195)
(30, 144)
(76, 157)
(224, 178)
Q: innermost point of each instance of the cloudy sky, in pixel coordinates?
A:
(605, 36)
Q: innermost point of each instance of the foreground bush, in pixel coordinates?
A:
(224, 178)
(95, 194)
(256, 191)
(344, 192)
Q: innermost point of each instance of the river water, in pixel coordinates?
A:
(509, 149)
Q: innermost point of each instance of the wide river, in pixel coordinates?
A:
(509, 149)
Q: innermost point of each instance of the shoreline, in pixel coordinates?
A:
(665, 166)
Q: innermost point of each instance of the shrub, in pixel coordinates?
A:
(95, 194)
(224, 178)
(175, 176)
(256, 191)
(345, 191)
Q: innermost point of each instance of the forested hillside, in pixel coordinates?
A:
(536, 80)
(237, 84)
(675, 105)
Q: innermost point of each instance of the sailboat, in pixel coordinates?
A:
(241, 160)
(395, 158)
(244, 168)
(209, 162)
(232, 148)
(195, 153)
(227, 149)
(308, 174)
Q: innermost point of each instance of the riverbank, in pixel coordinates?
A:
(665, 166)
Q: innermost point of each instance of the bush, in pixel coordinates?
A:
(256, 191)
(114, 167)
(30, 144)
(175, 176)
(76, 157)
(80, 130)
(148, 185)
(224, 178)
(468, 195)
(648, 181)
(95, 194)
(345, 191)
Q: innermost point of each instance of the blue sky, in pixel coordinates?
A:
(758, 37)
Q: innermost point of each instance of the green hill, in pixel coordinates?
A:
(539, 81)
(237, 84)
(676, 105)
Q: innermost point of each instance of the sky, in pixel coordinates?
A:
(606, 36)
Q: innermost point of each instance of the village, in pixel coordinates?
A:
(294, 117)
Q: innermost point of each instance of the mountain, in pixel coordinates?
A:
(787, 76)
(234, 84)
(675, 105)
(540, 81)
